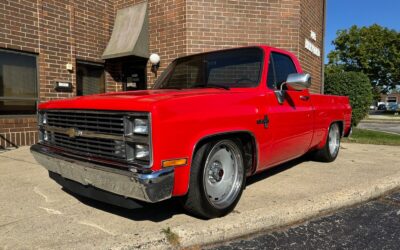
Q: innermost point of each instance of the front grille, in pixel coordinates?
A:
(95, 134)
(105, 148)
(107, 123)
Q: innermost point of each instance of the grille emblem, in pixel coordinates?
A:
(72, 132)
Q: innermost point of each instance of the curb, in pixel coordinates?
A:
(388, 121)
(264, 219)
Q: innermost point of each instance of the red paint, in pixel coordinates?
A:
(181, 118)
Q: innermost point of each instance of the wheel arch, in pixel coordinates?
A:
(341, 129)
(341, 126)
(248, 141)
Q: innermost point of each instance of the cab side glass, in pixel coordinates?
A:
(282, 67)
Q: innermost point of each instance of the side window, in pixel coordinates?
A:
(283, 66)
(271, 83)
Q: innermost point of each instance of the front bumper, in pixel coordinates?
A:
(153, 187)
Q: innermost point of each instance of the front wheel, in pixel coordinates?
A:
(331, 148)
(217, 179)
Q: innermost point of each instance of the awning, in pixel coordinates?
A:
(130, 33)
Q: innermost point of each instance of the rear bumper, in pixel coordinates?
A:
(153, 187)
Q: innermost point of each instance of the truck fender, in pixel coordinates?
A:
(183, 173)
(325, 137)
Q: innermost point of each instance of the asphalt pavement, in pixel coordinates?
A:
(373, 225)
(387, 126)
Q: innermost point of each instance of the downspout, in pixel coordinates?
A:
(323, 48)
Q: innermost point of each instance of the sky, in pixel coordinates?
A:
(342, 14)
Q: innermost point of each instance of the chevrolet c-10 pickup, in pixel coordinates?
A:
(210, 121)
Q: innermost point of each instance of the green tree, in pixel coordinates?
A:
(356, 86)
(373, 50)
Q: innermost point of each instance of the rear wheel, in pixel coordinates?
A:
(331, 148)
(217, 179)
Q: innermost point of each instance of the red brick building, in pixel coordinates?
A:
(43, 42)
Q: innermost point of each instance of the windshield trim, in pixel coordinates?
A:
(167, 71)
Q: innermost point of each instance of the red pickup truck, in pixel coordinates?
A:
(210, 121)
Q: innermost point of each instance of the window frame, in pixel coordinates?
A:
(93, 64)
(272, 63)
(36, 85)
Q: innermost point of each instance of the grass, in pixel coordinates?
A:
(172, 237)
(365, 136)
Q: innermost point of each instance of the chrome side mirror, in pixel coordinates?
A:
(295, 81)
(298, 81)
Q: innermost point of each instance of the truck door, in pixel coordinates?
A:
(291, 123)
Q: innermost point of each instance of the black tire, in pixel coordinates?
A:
(329, 152)
(197, 201)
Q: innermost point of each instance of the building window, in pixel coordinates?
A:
(89, 78)
(18, 83)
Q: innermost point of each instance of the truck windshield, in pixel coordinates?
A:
(238, 68)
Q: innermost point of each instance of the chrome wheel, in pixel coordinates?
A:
(334, 139)
(223, 174)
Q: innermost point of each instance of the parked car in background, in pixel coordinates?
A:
(392, 106)
(211, 120)
(382, 107)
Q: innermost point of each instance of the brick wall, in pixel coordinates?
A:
(222, 24)
(312, 18)
(59, 32)
(18, 131)
(19, 31)
(63, 31)
(167, 31)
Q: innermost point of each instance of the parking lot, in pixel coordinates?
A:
(388, 126)
(36, 213)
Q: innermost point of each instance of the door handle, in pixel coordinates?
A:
(304, 97)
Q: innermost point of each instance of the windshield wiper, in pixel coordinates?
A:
(211, 86)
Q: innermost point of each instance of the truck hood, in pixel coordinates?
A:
(143, 100)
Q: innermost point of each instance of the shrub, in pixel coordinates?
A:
(356, 86)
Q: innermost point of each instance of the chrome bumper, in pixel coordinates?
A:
(153, 187)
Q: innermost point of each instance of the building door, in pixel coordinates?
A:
(89, 78)
(134, 75)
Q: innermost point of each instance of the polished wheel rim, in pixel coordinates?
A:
(334, 139)
(223, 174)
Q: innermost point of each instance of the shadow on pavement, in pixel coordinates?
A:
(277, 169)
(152, 212)
(164, 210)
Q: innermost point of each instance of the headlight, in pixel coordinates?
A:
(142, 152)
(137, 134)
(141, 126)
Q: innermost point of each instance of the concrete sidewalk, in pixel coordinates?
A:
(36, 213)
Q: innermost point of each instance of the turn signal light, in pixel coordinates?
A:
(174, 163)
